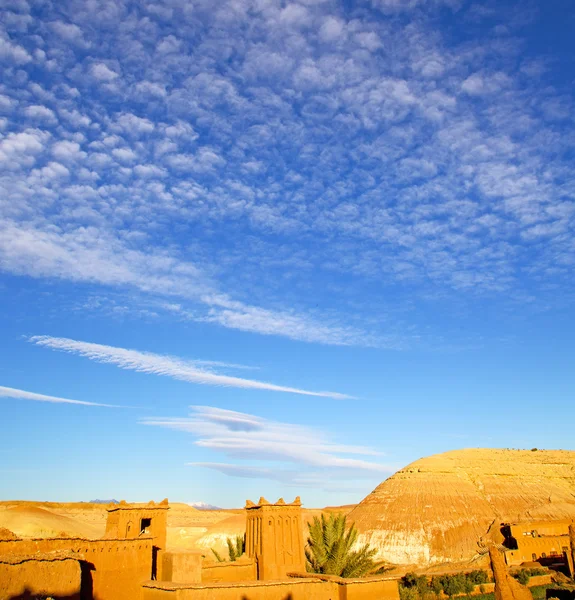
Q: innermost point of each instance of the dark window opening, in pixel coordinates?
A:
(145, 525)
(154, 561)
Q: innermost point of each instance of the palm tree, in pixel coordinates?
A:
(236, 547)
(329, 549)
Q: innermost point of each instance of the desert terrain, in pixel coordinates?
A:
(188, 528)
(438, 508)
(434, 511)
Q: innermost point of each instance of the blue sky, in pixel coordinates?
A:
(291, 246)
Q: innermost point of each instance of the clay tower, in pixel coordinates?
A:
(274, 538)
(129, 521)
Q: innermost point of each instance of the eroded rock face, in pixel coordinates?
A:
(506, 587)
(572, 544)
(437, 508)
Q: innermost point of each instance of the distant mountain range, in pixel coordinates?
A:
(112, 501)
(204, 506)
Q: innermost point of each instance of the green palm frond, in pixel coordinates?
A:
(217, 555)
(330, 549)
(236, 547)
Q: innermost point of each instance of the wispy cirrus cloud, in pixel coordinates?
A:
(169, 366)
(243, 436)
(8, 392)
(87, 255)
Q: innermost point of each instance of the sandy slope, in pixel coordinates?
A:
(28, 520)
(437, 508)
(188, 527)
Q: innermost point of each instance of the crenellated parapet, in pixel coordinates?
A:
(274, 537)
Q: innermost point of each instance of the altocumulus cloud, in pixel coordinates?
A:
(342, 155)
(170, 366)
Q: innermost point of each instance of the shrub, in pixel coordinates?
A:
(468, 585)
(436, 586)
(453, 584)
(411, 580)
(478, 577)
(522, 577)
(408, 593)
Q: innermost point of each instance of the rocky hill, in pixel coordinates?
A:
(437, 508)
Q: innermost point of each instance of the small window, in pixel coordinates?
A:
(145, 525)
(534, 557)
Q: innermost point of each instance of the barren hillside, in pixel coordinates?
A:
(437, 508)
(30, 519)
(188, 527)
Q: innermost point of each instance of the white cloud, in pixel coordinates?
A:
(237, 315)
(37, 112)
(125, 155)
(480, 85)
(294, 14)
(149, 171)
(134, 125)
(332, 29)
(103, 73)
(20, 149)
(348, 164)
(7, 392)
(170, 366)
(66, 150)
(244, 436)
(70, 32)
(13, 52)
(87, 254)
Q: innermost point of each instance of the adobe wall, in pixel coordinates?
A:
(182, 566)
(527, 546)
(125, 521)
(117, 568)
(244, 569)
(368, 588)
(539, 580)
(543, 528)
(39, 576)
(302, 589)
(309, 587)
